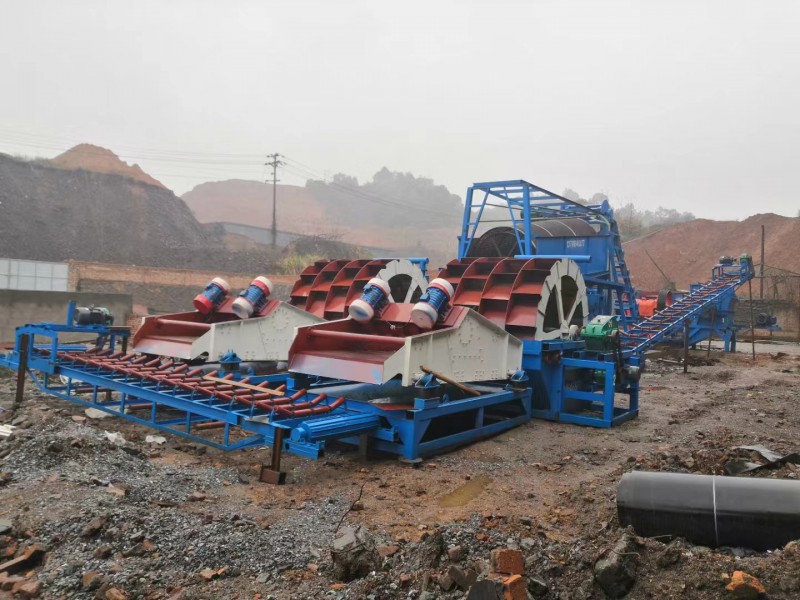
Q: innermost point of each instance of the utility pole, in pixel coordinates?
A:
(761, 270)
(275, 162)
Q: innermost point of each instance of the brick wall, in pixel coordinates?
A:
(79, 270)
(160, 290)
(134, 321)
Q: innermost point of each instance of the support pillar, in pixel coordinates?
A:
(686, 346)
(272, 473)
(21, 371)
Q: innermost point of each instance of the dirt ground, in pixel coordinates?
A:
(175, 520)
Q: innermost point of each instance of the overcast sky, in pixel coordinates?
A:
(687, 104)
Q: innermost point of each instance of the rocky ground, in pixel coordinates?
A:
(108, 516)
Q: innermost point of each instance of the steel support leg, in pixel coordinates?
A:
(711, 333)
(686, 346)
(363, 446)
(272, 473)
(21, 370)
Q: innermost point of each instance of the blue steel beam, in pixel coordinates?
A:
(259, 439)
(639, 338)
(404, 432)
(534, 201)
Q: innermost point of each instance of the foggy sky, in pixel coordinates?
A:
(687, 104)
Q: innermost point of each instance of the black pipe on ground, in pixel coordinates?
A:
(761, 514)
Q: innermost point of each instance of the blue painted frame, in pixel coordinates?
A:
(605, 273)
(401, 432)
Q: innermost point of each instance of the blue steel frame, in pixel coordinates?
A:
(562, 380)
(709, 309)
(565, 384)
(557, 369)
(105, 335)
(134, 394)
(605, 272)
(533, 201)
(410, 432)
(717, 321)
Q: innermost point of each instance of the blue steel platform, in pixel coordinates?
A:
(707, 310)
(231, 412)
(559, 379)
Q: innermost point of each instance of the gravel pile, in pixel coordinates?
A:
(135, 520)
(85, 456)
(163, 532)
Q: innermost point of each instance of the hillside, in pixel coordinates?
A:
(87, 204)
(687, 251)
(363, 218)
(89, 157)
(49, 213)
(250, 203)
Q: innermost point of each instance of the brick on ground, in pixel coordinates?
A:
(508, 561)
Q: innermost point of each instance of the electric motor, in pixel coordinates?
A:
(212, 297)
(93, 315)
(253, 299)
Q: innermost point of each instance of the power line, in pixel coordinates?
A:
(222, 163)
(62, 141)
(138, 156)
(199, 167)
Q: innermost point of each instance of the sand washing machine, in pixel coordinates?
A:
(258, 327)
(535, 317)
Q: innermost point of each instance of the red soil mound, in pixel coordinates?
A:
(101, 160)
(250, 203)
(687, 251)
(300, 211)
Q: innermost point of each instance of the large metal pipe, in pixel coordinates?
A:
(184, 325)
(502, 241)
(393, 342)
(711, 511)
(571, 227)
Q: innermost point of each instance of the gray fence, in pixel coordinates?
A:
(33, 275)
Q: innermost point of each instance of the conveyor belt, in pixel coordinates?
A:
(664, 323)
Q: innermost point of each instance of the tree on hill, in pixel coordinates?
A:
(391, 197)
(597, 198)
(633, 222)
(571, 194)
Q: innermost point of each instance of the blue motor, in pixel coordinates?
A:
(433, 304)
(373, 300)
(253, 299)
(766, 320)
(212, 297)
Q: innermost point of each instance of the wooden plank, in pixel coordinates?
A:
(461, 386)
(245, 386)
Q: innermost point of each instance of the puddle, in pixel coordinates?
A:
(463, 494)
